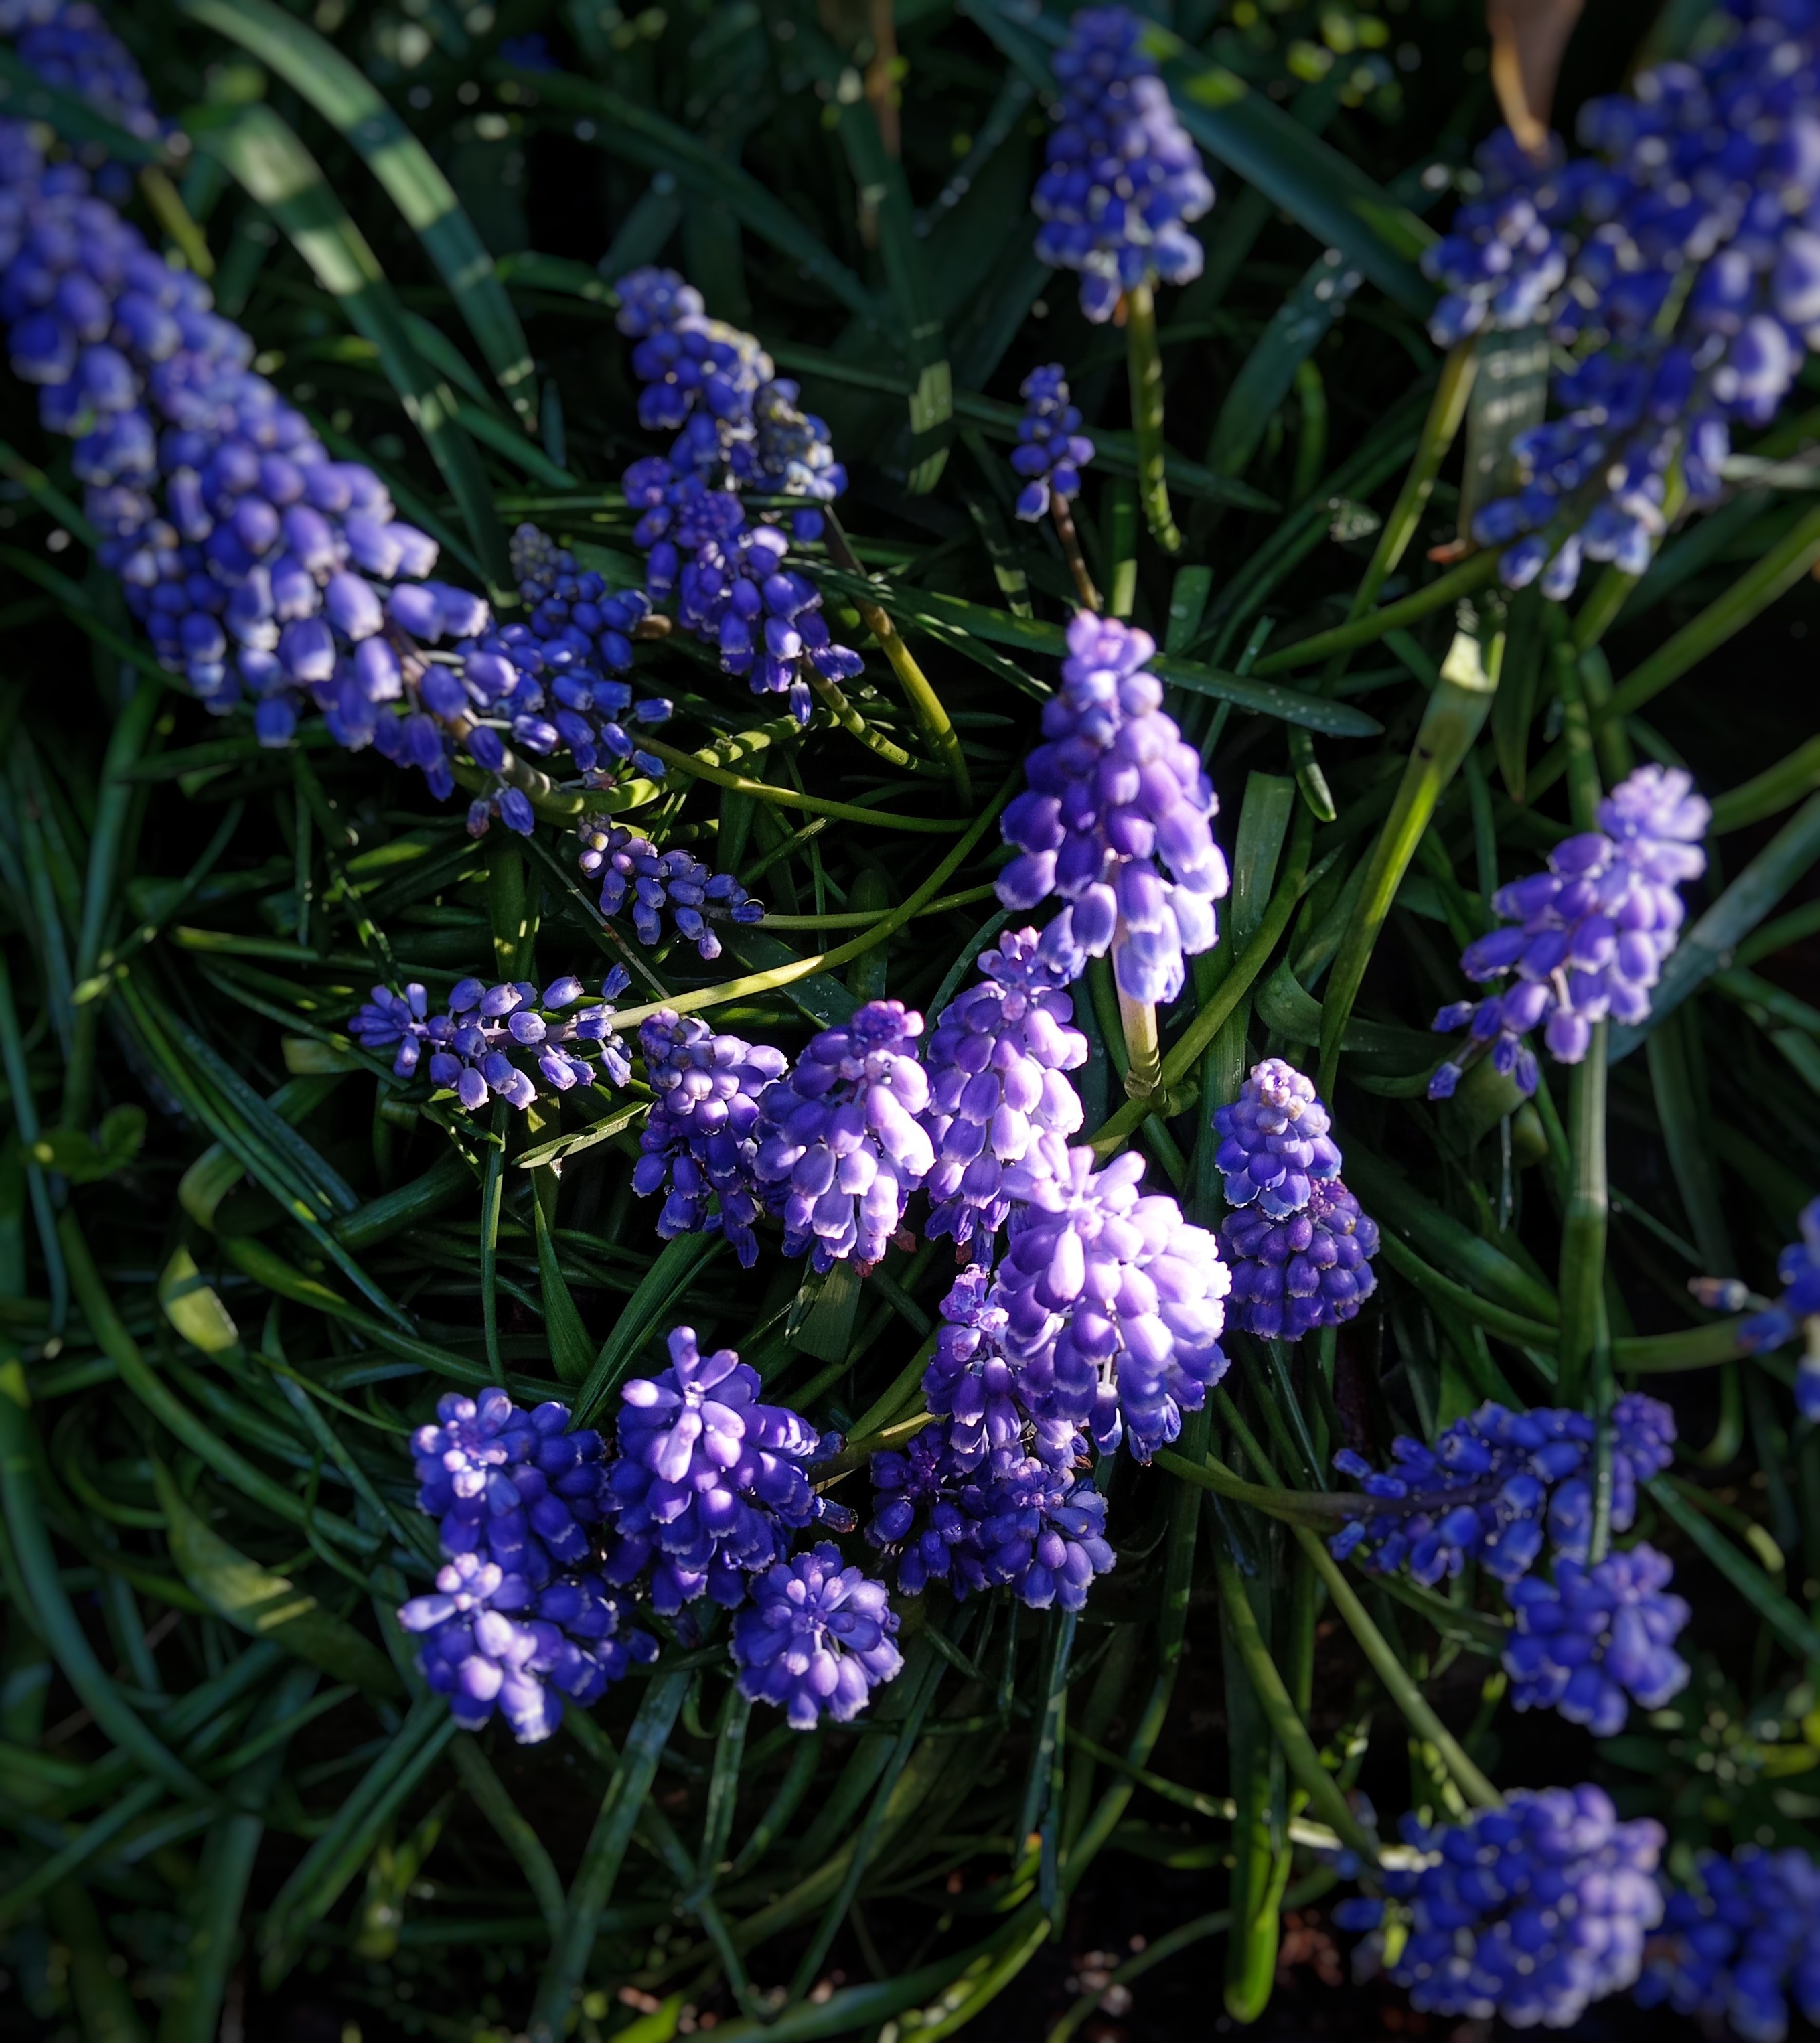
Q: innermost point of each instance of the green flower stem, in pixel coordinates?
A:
(1470, 575)
(592, 1889)
(941, 732)
(833, 698)
(700, 769)
(1455, 714)
(1143, 362)
(1143, 1047)
(1401, 1690)
(1294, 1507)
(492, 1181)
(756, 982)
(1186, 1052)
(1446, 410)
(1695, 1348)
(1439, 430)
(1291, 1734)
(864, 918)
(1585, 1349)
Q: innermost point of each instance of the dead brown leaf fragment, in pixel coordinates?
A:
(1528, 40)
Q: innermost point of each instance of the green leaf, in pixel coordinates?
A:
(274, 168)
(671, 1273)
(83, 1158)
(24, 96)
(193, 1306)
(924, 607)
(1295, 329)
(916, 326)
(571, 1351)
(312, 67)
(629, 129)
(264, 1605)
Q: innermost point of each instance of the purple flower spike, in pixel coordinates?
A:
(1796, 1313)
(1594, 1640)
(1739, 1943)
(1674, 271)
(739, 427)
(636, 877)
(700, 1140)
(1588, 939)
(1496, 1487)
(995, 1061)
(818, 1639)
(1310, 1269)
(1113, 1304)
(840, 1149)
(710, 1482)
(1532, 1911)
(1052, 450)
(491, 1640)
(1115, 799)
(1123, 178)
(469, 1049)
(1274, 1140)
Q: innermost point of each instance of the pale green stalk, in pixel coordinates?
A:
(1144, 361)
(1455, 714)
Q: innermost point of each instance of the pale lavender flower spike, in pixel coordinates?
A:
(1115, 798)
(1586, 939)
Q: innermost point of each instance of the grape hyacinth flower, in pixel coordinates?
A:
(1113, 1304)
(816, 1640)
(580, 635)
(491, 1639)
(995, 1061)
(921, 1499)
(1796, 1313)
(1533, 1911)
(1020, 1524)
(1676, 269)
(710, 1483)
(1113, 789)
(70, 45)
(1123, 179)
(634, 873)
(1597, 1638)
(1587, 938)
(1274, 1142)
(1052, 450)
(739, 428)
(468, 1047)
(1739, 1944)
(1495, 1487)
(699, 1141)
(975, 1386)
(519, 1485)
(840, 1147)
(1310, 1270)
